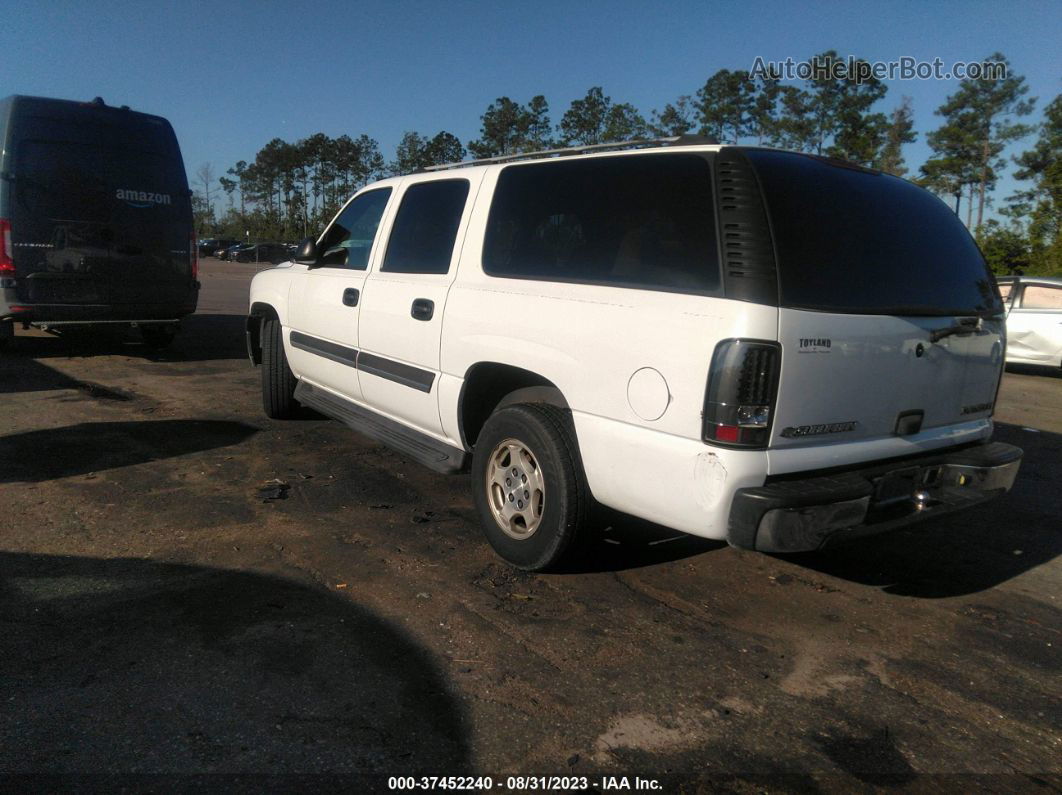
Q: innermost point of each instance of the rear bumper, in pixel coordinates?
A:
(163, 304)
(804, 514)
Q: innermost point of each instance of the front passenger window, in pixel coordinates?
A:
(348, 241)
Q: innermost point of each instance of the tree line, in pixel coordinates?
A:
(290, 190)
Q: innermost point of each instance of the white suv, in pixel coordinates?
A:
(759, 346)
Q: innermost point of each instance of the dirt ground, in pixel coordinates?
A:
(162, 612)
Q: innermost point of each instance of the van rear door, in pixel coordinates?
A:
(889, 319)
(100, 210)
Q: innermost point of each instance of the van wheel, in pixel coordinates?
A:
(7, 333)
(278, 382)
(158, 337)
(528, 485)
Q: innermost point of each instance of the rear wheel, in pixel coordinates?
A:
(7, 333)
(158, 337)
(528, 485)
(278, 382)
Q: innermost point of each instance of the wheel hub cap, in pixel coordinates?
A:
(516, 489)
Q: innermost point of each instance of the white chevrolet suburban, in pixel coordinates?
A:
(770, 348)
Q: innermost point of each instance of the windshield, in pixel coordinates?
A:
(854, 241)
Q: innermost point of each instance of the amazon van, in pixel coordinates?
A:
(95, 219)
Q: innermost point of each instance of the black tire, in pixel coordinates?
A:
(278, 382)
(7, 334)
(548, 435)
(158, 337)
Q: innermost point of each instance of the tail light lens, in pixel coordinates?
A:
(193, 255)
(742, 388)
(7, 249)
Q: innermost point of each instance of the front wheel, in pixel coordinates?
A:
(528, 485)
(278, 382)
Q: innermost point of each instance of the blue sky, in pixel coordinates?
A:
(231, 76)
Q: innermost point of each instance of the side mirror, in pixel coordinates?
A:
(306, 253)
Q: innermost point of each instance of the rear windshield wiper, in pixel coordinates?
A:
(966, 325)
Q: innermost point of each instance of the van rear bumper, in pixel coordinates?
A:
(94, 313)
(163, 303)
(794, 514)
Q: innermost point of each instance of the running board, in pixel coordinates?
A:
(422, 448)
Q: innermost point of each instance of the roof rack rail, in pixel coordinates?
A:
(638, 143)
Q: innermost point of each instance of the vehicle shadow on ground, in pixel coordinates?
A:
(970, 551)
(34, 456)
(618, 542)
(1031, 369)
(128, 666)
(27, 375)
(204, 337)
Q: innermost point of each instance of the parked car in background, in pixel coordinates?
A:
(274, 253)
(228, 252)
(1034, 319)
(209, 247)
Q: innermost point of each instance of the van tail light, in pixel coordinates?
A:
(742, 389)
(193, 255)
(7, 249)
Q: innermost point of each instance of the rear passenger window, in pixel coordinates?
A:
(1040, 297)
(630, 221)
(423, 235)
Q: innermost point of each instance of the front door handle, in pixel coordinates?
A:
(350, 297)
(422, 309)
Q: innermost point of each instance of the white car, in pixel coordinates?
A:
(1034, 319)
(765, 347)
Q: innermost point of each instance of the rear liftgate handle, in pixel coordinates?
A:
(422, 309)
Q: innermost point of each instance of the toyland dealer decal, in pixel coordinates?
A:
(814, 345)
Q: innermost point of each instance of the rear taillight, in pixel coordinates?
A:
(7, 249)
(742, 387)
(193, 255)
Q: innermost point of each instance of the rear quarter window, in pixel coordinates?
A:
(644, 221)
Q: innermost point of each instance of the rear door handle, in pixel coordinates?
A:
(422, 309)
(350, 297)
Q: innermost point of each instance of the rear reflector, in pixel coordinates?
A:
(7, 249)
(742, 387)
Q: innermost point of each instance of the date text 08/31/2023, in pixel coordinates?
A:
(524, 783)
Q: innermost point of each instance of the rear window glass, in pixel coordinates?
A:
(97, 182)
(635, 221)
(852, 241)
(110, 129)
(1039, 297)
